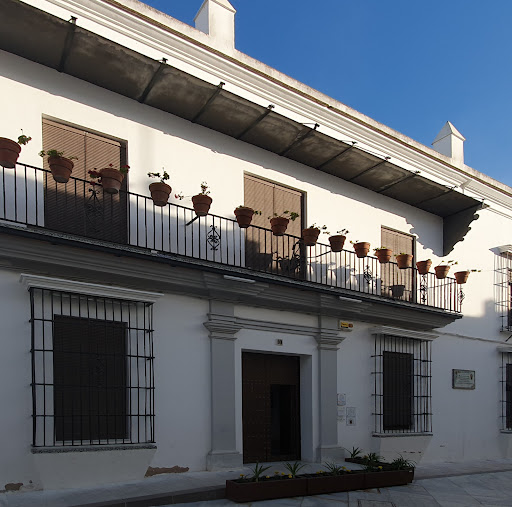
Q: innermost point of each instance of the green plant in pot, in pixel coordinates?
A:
(310, 235)
(111, 178)
(10, 150)
(279, 222)
(61, 166)
(461, 277)
(202, 201)
(443, 269)
(424, 266)
(383, 254)
(160, 190)
(337, 241)
(361, 248)
(244, 215)
(404, 260)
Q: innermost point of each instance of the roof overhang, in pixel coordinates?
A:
(61, 45)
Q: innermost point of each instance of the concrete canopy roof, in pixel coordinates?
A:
(68, 48)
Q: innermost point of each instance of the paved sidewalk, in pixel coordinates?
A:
(195, 486)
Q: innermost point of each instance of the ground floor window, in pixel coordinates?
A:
(402, 385)
(92, 370)
(506, 390)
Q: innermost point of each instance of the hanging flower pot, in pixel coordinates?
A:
(383, 255)
(397, 291)
(201, 204)
(61, 168)
(424, 266)
(337, 241)
(244, 216)
(9, 152)
(279, 225)
(461, 276)
(160, 192)
(442, 271)
(404, 261)
(310, 235)
(111, 180)
(361, 249)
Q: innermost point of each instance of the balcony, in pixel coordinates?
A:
(31, 201)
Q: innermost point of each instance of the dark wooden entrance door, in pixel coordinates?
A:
(270, 407)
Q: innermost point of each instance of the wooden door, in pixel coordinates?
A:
(398, 283)
(77, 207)
(270, 407)
(265, 252)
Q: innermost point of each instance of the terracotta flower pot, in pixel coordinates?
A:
(442, 271)
(160, 193)
(310, 236)
(404, 261)
(461, 276)
(111, 180)
(278, 225)
(337, 242)
(362, 249)
(9, 152)
(201, 204)
(384, 255)
(243, 216)
(423, 266)
(61, 168)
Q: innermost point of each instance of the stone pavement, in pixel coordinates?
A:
(434, 485)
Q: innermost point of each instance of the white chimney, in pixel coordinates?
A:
(450, 142)
(217, 19)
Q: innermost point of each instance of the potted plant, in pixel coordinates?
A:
(338, 240)
(202, 201)
(279, 222)
(403, 260)
(160, 191)
(443, 269)
(310, 235)
(462, 276)
(110, 177)
(244, 215)
(361, 248)
(10, 150)
(61, 167)
(424, 266)
(383, 253)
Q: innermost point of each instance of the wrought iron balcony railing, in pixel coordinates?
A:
(30, 197)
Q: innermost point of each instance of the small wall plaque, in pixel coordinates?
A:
(463, 379)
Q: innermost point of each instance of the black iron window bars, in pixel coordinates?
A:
(506, 391)
(92, 370)
(402, 385)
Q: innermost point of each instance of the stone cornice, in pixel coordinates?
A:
(88, 289)
(222, 327)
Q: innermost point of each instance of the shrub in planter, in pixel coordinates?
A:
(61, 167)
(244, 216)
(338, 240)
(424, 266)
(443, 269)
(383, 254)
(404, 260)
(202, 201)
(110, 177)
(279, 223)
(160, 190)
(10, 150)
(361, 248)
(310, 235)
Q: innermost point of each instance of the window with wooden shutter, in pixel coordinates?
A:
(509, 396)
(77, 207)
(398, 283)
(265, 252)
(397, 391)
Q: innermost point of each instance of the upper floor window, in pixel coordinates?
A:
(76, 207)
(503, 274)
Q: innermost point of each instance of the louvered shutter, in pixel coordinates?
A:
(89, 375)
(397, 390)
(390, 274)
(73, 208)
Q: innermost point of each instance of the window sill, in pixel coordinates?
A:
(506, 431)
(91, 448)
(394, 435)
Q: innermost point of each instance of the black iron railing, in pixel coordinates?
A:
(30, 197)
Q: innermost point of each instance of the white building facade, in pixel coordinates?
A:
(137, 335)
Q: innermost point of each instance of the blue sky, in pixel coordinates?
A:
(410, 64)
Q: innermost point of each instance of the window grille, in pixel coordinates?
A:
(504, 289)
(92, 370)
(506, 390)
(402, 385)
